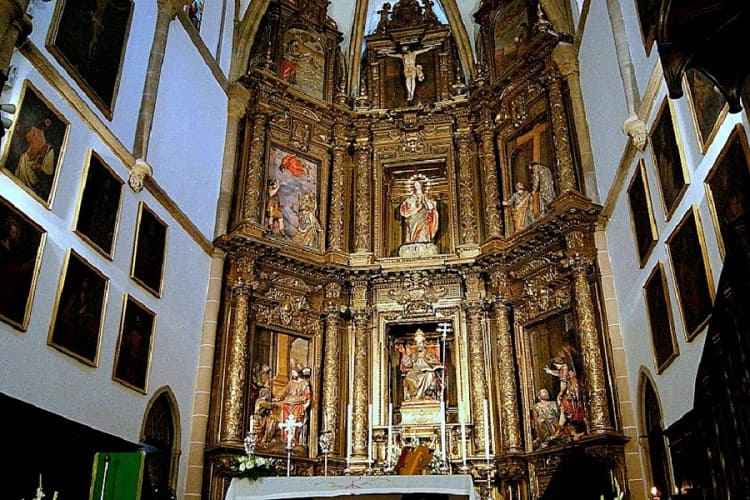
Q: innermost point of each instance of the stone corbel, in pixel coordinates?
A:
(138, 174)
(636, 129)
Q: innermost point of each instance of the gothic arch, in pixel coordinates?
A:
(655, 455)
(161, 437)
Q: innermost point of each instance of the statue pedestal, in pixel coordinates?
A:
(417, 250)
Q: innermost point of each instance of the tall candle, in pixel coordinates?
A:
(348, 433)
(252, 420)
(486, 430)
(463, 441)
(442, 431)
(369, 435)
(390, 432)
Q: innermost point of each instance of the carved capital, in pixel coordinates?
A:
(239, 96)
(565, 55)
(170, 8)
(138, 174)
(636, 129)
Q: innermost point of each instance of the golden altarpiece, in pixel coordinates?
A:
(413, 264)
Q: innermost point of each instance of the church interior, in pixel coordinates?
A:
(497, 245)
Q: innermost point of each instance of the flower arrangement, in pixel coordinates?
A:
(252, 467)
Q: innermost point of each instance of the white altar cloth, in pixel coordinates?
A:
(278, 488)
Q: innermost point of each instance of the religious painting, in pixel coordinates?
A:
(194, 10)
(303, 62)
(641, 213)
(280, 392)
(728, 184)
(511, 34)
(99, 205)
(133, 355)
(648, 15)
(35, 146)
(557, 404)
(149, 250)
(88, 39)
(79, 311)
(669, 159)
(291, 205)
(21, 247)
(707, 104)
(659, 311)
(692, 273)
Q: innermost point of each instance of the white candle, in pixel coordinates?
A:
(289, 434)
(390, 433)
(252, 421)
(463, 441)
(370, 417)
(486, 430)
(348, 434)
(442, 431)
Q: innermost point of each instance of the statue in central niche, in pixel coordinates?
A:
(421, 219)
(412, 70)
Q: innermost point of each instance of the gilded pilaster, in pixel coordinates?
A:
(331, 364)
(466, 187)
(362, 197)
(252, 188)
(566, 173)
(359, 385)
(474, 307)
(490, 185)
(336, 214)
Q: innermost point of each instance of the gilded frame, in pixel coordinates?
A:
(148, 263)
(132, 365)
(693, 286)
(659, 314)
(97, 209)
(87, 53)
(727, 182)
(642, 219)
(78, 317)
(15, 272)
(37, 119)
(669, 158)
(710, 110)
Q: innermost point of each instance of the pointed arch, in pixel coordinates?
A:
(244, 37)
(160, 436)
(655, 453)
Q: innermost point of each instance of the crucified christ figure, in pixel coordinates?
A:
(412, 70)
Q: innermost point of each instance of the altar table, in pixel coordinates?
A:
(278, 488)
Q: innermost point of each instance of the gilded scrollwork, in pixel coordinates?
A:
(466, 188)
(478, 377)
(359, 385)
(362, 202)
(489, 180)
(566, 173)
(254, 168)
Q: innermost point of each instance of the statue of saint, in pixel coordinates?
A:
(295, 400)
(546, 416)
(420, 214)
(421, 368)
(521, 205)
(542, 188)
(412, 70)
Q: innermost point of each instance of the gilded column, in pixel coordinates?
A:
(489, 180)
(336, 214)
(566, 172)
(232, 398)
(331, 364)
(359, 385)
(252, 188)
(466, 187)
(596, 383)
(477, 376)
(508, 395)
(362, 197)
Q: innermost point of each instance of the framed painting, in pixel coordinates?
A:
(133, 354)
(668, 159)
(707, 105)
(511, 28)
(291, 202)
(642, 214)
(79, 311)
(149, 250)
(35, 146)
(99, 205)
(692, 273)
(21, 248)
(303, 62)
(659, 312)
(728, 184)
(88, 39)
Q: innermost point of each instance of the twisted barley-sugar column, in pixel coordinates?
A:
(592, 355)
(477, 375)
(466, 188)
(359, 406)
(507, 372)
(336, 213)
(567, 175)
(252, 188)
(489, 180)
(362, 204)
(331, 374)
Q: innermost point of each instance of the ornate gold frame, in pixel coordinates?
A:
(660, 271)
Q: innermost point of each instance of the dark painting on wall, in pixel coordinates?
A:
(707, 104)
(133, 354)
(642, 214)
(79, 312)
(692, 274)
(659, 312)
(88, 38)
(36, 144)
(21, 247)
(149, 251)
(668, 158)
(100, 205)
(728, 184)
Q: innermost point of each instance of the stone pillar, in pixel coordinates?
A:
(232, 427)
(466, 187)
(566, 166)
(359, 385)
(332, 365)
(336, 212)
(595, 381)
(252, 188)
(490, 185)
(362, 196)
(507, 369)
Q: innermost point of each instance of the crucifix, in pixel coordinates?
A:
(289, 427)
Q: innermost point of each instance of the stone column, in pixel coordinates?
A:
(466, 187)
(252, 188)
(359, 385)
(336, 213)
(490, 185)
(595, 381)
(231, 429)
(566, 166)
(332, 365)
(362, 196)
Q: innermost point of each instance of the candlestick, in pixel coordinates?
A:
(369, 436)
(390, 433)
(252, 421)
(348, 434)
(486, 430)
(442, 431)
